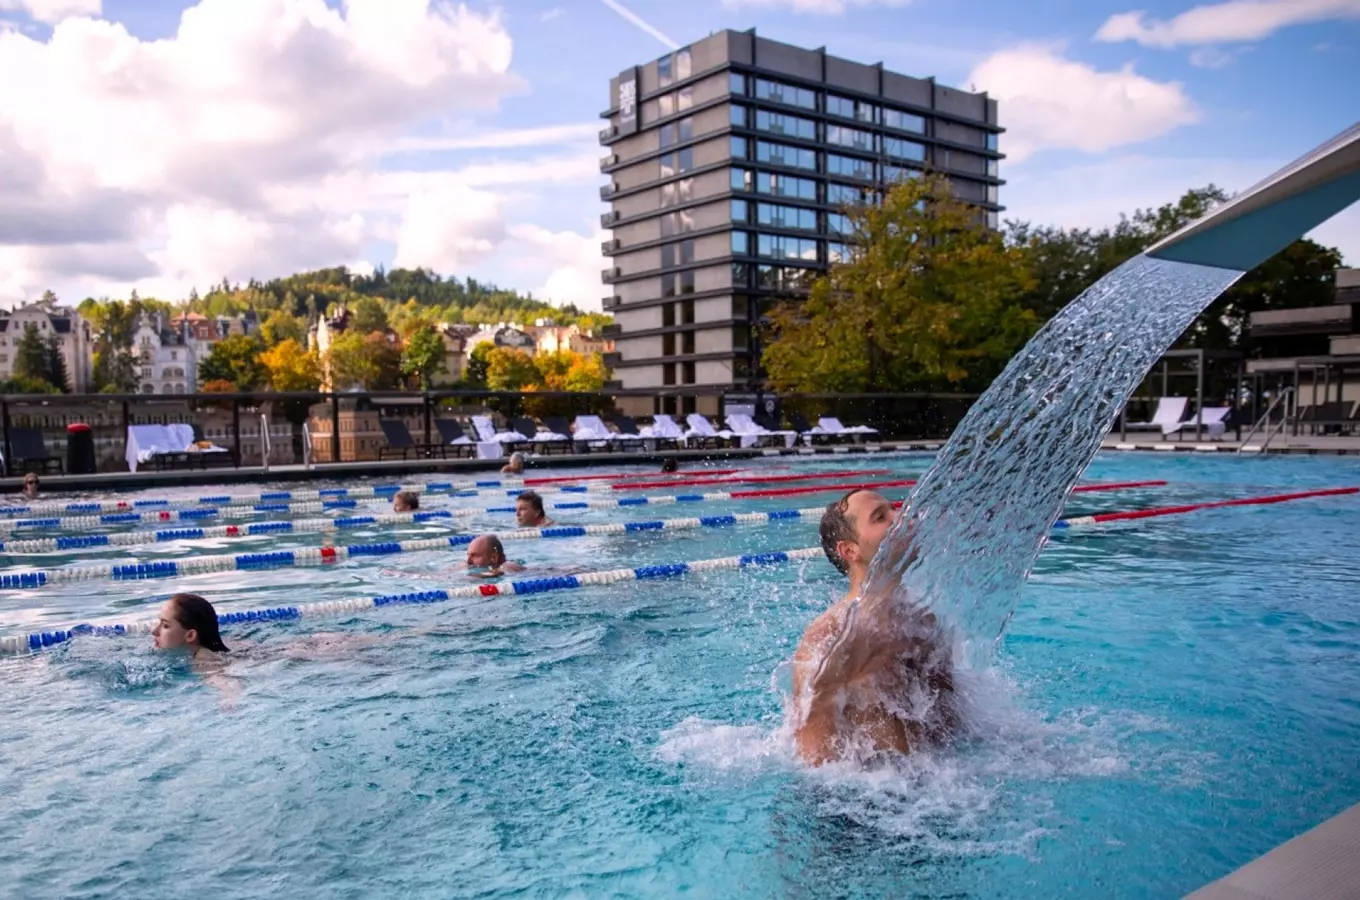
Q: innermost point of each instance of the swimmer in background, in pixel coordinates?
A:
(878, 688)
(529, 511)
(406, 501)
(515, 466)
(30, 490)
(670, 465)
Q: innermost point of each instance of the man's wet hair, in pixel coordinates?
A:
(497, 548)
(408, 499)
(533, 499)
(836, 527)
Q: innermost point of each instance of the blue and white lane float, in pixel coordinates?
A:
(28, 643)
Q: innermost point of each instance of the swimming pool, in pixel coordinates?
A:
(1173, 697)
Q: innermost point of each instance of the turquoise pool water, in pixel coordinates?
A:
(1174, 697)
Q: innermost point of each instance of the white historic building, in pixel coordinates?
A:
(166, 363)
(73, 332)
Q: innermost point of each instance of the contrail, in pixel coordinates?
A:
(635, 19)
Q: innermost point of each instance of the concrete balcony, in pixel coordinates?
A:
(610, 246)
(609, 274)
(1335, 319)
(609, 161)
(609, 218)
(611, 303)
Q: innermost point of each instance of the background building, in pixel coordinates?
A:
(77, 343)
(166, 363)
(729, 162)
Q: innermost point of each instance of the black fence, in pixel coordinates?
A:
(317, 427)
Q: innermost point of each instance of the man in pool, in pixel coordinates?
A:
(406, 501)
(529, 511)
(882, 686)
(486, 558)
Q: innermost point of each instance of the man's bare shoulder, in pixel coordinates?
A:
(823, 628)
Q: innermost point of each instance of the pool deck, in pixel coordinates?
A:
(112, 481)
(1311, 445)
(1320, 864)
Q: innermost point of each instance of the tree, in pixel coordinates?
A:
(280, 326)
(56, 365)
(291, 367)
(369, 361)
(476, 373)
(929, 299)
(424, 356)
(30, 356)
(235, 359)
(510, 369)
(367, 315)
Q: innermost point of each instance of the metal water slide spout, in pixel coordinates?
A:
(1263, 220)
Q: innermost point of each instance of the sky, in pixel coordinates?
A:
(161, 145)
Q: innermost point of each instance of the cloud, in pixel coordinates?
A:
(208, 153)
(1093, 194)
(1232, 22)
(1050, 102)
(812, 7)
(1210, 58)
(549, 14)
(449, 228)
(578, 133)
(52, 11)
(641, 24)
(573, 260)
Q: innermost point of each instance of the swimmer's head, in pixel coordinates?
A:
(670, 465)
(516, 463)
(529, 510)
(187, 620)
(485, 550)
(31, 485)
(406, 501)
(852, 528)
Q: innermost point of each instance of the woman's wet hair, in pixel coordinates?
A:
(192, 611)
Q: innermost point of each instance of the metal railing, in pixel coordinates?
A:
(1272, 428)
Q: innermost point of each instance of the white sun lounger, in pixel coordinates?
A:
(1213, 418)
(743, 424)
(663, 426)
(832, 425)
(700, 427)
(1170, 411)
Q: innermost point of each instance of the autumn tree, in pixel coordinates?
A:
(929, 299)
(510, 369)
(369, 361)
(235, 359)
(423, 356)
(292, 367)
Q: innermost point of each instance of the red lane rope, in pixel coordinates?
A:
(1217, 504)
(744, 479)
(875, 485)
(616, 475)
(1116, 486)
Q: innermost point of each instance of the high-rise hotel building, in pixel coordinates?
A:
(728, 162)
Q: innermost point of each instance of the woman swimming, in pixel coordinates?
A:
(515, 466)
(188, 621)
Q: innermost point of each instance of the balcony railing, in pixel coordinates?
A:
(610, 273)
(607, 191)
(611, 332)
(612, 302)
(609, 218)
(608, 132)
(610, 245)
(607, 161)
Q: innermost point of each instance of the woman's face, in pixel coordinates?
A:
(31, 485)
(169, 633)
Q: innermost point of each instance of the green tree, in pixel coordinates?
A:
(369, 361)
(30, 356)
(423, 356)
(291, 367)
(367, 315)
(511, 369)
(477, 365)
(280, 326)
(235, 359)
(929, 299)
(57, 375)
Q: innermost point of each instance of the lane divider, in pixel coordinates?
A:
(330, 498)
(1196, 507)
(28, 643)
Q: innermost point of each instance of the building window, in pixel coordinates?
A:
(677, 163)
(677, 132)
(838, 223)
(836, 252)
(736, 83)
(993, 220)
(778, 246)
(741, 275)
(683, 64)
(793, 126)
(992, 168)
(668, 315)
(786, 94)
(777, 216)
(678, 222)
(677, 283)
(174, 355)
(904, 121)
(740, 180)
(687, 373)
(687, 312)
(850, 137)
(737, 115)
(677, 192)
(991, 193)
(844, 195)
(991, 141)
(678, 254)
(786, 186)
(740, 211)
(737, 147)
(850, 109)
(901, 149)
(783, 155)
(741, 243)
(668, 374)
(896, 174)
(849, 167)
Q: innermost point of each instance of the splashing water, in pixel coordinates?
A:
(966, 541)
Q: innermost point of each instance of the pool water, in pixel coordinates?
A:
(1173, 697)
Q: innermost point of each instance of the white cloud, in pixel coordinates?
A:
(813, 7)
(1234, 21)
(577, 133)
(549, 14)
(52, 11)
(1210, 58)
(1094, 194)
(1050, 102)
(206, 153)
(449, 228)
(574, 263)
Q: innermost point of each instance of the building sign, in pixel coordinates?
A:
(628, 119)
